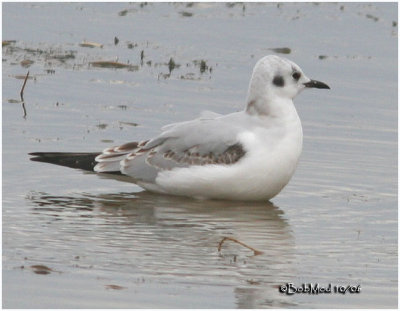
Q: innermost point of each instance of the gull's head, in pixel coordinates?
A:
(275, 79)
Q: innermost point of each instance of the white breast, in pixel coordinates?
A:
(271, 158)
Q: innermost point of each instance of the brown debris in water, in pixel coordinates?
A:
(88, 44)
(256, 252)
(41, 269)
(26, 63)
(112, 64)
(186, 14)
(281, 50)
(113, 286)
(7, 42)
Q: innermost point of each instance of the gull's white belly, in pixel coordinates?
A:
(259, 175)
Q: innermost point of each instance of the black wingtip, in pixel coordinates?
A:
(84, 161)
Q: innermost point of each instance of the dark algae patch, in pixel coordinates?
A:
(41, 269)
(284, 50)
(113, 65)
(114, 287)
(186, 14)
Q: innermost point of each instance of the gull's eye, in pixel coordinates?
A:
(296, 75)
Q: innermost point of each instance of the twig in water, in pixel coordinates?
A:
(256, 252)
(23, 108)
(22, 94)
(23, 87)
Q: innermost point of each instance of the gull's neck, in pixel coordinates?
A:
(282, 108)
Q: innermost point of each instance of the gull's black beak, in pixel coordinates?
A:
(317, 84)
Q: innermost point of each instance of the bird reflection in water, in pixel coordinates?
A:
(179, 237)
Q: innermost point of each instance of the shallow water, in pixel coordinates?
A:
(72, 239)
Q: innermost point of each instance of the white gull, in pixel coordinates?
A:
(246, 155)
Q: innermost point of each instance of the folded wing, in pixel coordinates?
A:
(204, 141)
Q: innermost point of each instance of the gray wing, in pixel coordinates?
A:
(203, 141)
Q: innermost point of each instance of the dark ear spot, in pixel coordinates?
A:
(278, 81)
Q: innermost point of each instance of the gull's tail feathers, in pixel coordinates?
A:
(83, 161)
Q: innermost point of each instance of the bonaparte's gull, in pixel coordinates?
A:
(246, 155)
